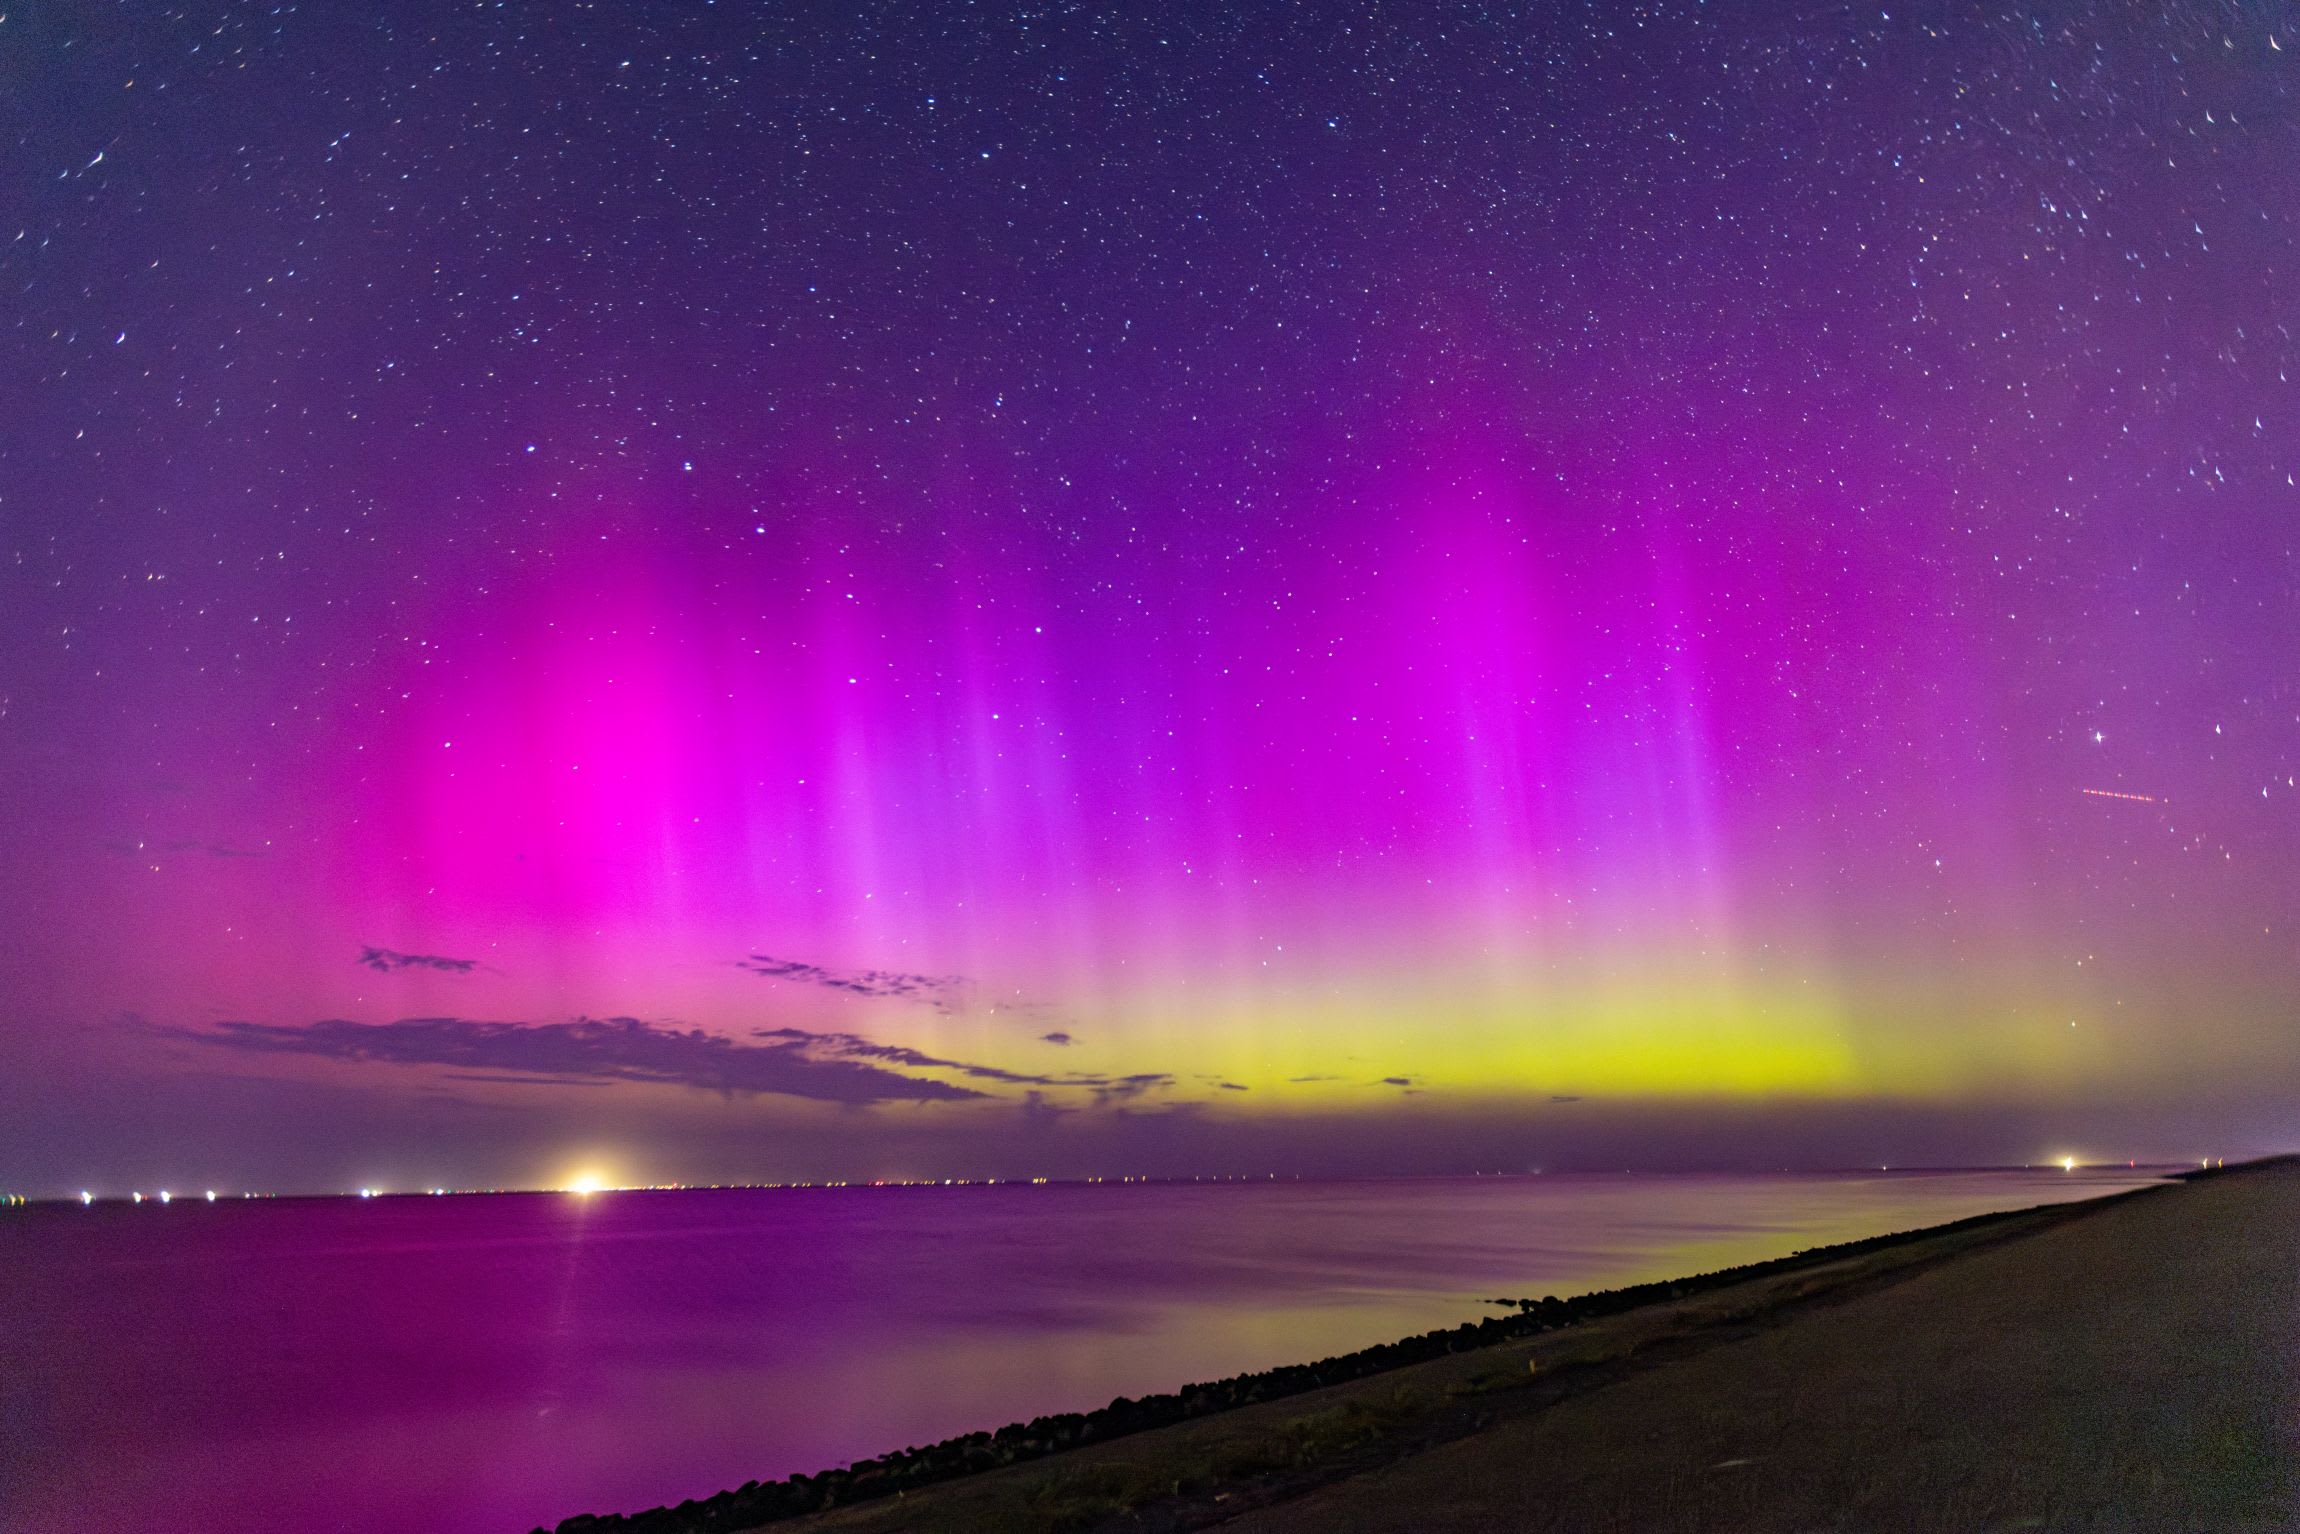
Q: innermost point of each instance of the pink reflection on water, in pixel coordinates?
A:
(491, 1363)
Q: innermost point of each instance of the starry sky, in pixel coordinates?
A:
(722, 591)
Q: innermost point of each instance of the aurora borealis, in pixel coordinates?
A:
(743, 592)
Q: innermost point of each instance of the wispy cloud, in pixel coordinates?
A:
(944, 993)
(1123, 1089)
(850, 1046)
(950, 995)
(386, 960)
(599, 1050)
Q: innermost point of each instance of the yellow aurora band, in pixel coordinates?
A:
(1666, 1032)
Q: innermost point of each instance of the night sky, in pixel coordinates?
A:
(714, 591)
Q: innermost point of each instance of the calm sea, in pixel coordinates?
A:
(490, 1363)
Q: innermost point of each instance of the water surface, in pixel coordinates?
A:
(484, 1364)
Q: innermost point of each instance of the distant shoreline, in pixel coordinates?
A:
(159, 1198)
(1023, 1443)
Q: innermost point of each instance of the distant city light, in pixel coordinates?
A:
(86, 1197)
(211, 1195)
(584, 1184)
(163, 1195)
(2068, 1163)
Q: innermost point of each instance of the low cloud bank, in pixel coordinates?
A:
(792, 1063)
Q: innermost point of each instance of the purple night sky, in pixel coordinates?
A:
(725, 592)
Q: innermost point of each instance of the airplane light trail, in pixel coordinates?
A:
(2110, 793)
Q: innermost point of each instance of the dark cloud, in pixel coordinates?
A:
(1039, 1112)
(598, 1050)
(851, 1046)
(385, 960)
(1397, 1081)
(1232, 1086)
(1564, 1097)
(947, 994)
(944, 993)
(1123, 1089)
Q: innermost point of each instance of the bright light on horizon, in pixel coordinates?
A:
(584, 1184)
(2068, 1163)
